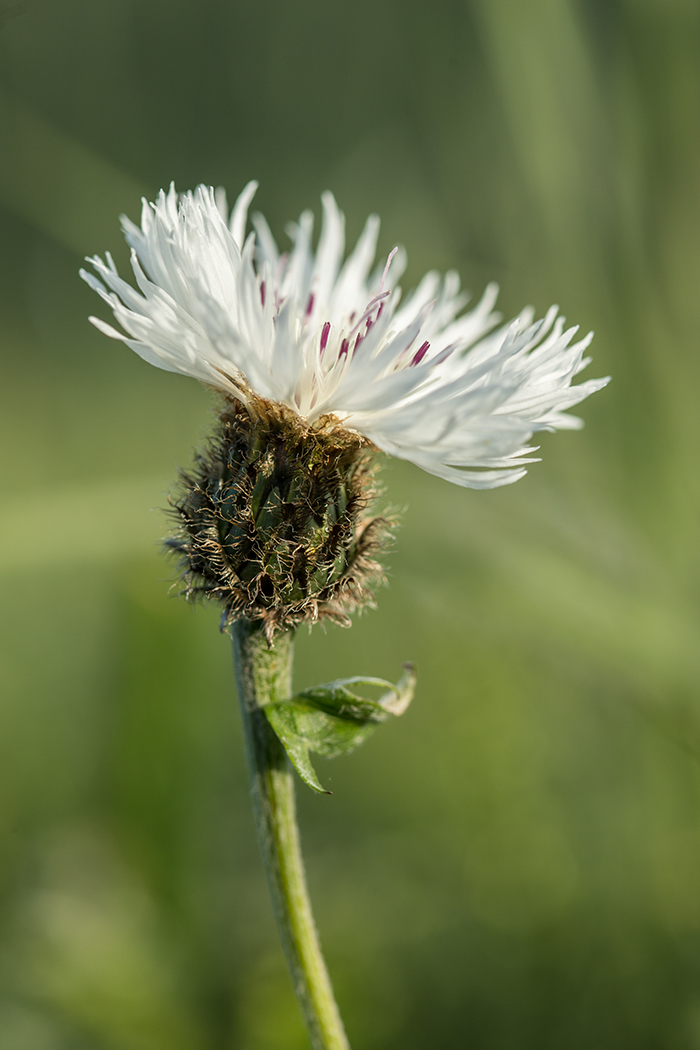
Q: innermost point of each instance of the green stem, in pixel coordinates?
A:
(264, 676)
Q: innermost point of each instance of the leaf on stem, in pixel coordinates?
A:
(333, 719)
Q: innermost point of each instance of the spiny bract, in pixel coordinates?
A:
(273, 518)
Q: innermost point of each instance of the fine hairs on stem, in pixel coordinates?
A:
(264, 676)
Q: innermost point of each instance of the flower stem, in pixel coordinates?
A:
(264, 676)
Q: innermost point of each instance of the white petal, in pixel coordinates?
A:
(424, 380)
(239, 215)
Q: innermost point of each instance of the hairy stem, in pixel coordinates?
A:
(264, 676)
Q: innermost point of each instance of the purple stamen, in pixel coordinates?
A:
(262, 292)
(420, 354)
(325, 332)
(444, 354)
(392, 253)
(310, 305)
(344, 347)
(367, 315)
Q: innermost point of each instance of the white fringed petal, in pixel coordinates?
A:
(449, 391)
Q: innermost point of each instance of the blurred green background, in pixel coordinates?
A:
(516, 863)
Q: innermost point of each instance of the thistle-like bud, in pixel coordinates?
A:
(273, 518)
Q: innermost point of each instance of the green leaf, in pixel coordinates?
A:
(333, 719)
(282, 718)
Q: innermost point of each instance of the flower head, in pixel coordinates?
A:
(319, 363)
(454, 392)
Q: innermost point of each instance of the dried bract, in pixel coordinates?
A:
(273, 518)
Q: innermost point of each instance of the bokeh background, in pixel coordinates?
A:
(516, 863)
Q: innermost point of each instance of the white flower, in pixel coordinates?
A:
(423, 381)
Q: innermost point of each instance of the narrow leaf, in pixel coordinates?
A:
(339, 699)
(333, 719)
(282, 719)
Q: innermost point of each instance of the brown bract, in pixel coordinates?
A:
(273, 518)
